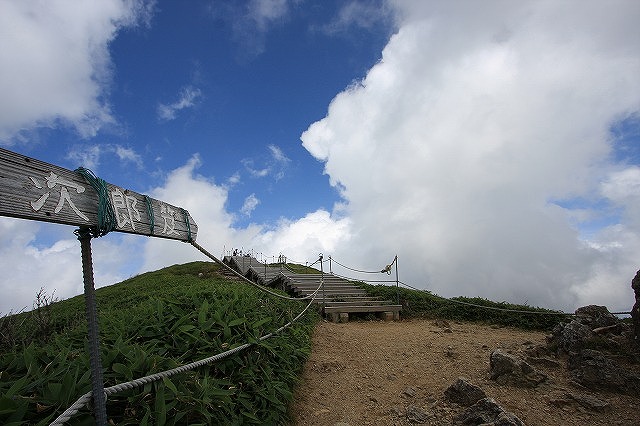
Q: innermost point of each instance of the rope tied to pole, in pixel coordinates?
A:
(106, 215)
(358, 270)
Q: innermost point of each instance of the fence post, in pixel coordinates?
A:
(99, 399)
(322, 284)
(397, 281)
(635, 310)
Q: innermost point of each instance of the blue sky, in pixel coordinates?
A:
(494, 147)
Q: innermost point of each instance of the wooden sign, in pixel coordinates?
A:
(33, 189)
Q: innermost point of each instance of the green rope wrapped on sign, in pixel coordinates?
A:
(106, 215)
(188, 225)
(147, 201)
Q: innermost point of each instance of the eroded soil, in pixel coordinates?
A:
(381, 373)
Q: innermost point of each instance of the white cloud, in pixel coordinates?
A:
(128, 155)
(187, 99)
(303, 238)
(275, 165)
(449, 153)
(234, 179)
(479, 114)
(249, 205)
(205, 201)
(277, 154)
(55, 62)
(249, 166)
(264, 12)
(87, 156)
(90, 155)
(56, 266)
(252, 20)
(362, 14)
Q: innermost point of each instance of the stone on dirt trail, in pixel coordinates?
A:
(506, 368)
(464, 393)
(486, 412)
(592, 369)
(417, 414)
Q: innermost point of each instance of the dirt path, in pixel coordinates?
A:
(377, 373)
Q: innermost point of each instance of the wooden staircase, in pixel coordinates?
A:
(337, 297)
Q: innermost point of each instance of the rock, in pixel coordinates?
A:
(595, 316)
(537, 350)
(615, 328)
(417, 414)
(543, 362)
(450, 353)
(595, 371)
(570, 338)
(510, 369)
(589, 402)
(410, 392)
(441, 323)
(486, 412)
(398, 410)
(464, 393)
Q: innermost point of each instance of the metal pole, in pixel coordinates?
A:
(330, 270)
(322, 284)
(397, 281)
(99, 398)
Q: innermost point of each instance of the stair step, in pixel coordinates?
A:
(359, 303)
(382, 308)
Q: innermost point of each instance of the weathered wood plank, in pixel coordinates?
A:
(35, 190)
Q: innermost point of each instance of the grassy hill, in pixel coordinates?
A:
(180, 314)
(151, 323)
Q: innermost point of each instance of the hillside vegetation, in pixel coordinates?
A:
(423, 304)
(151, 323)
(171, 317)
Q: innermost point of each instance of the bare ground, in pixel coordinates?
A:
(378, 373)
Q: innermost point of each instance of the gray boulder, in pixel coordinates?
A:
(594, 370)
(506, 368)
(589, 402)
(486, 412)
(417, 415)
(464, 393)
(570, 338)
(595, 316)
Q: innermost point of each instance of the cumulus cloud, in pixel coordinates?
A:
(316, 232)
(305, 238)
(452, 149)
(186, 99)
(56, 64)
(54, 266)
